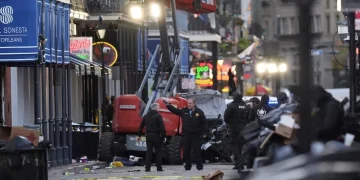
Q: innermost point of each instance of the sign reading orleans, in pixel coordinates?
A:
(18, 30)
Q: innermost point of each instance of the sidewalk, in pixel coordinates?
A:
(75, 168)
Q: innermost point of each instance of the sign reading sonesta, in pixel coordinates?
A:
(18, 30)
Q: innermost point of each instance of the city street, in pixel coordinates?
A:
(170, 173)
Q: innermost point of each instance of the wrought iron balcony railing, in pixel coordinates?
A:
(79, 5)
(106, 6)
(99, 6)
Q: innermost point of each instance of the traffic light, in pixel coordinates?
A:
(197, 4)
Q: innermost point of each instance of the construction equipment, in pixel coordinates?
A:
(129, 109)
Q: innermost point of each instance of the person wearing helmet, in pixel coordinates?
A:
(282, 99)
(261, 109)
(254, 101)
(235, 117)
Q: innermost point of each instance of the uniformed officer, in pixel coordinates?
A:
(235, 116)
(261, 109)
(155, 133)
(193, 120)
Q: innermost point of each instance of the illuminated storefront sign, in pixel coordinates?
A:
(204, 81)
(81, 47)
(203, 71)
(110, 56)
(200, 71)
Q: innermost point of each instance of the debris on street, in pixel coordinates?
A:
(215, 175)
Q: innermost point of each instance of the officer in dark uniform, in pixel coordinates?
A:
(193, 120)
(155, 133)
(235, 116)
(261, 109)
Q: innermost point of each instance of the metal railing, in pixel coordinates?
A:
(98, 6)
(79, 5)
(105, 6)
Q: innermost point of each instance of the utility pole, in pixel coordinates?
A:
(239, 66)
(352, 51)
(306, 74)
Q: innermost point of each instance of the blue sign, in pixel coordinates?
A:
(317, 52)
(184, 64)
(18, 30)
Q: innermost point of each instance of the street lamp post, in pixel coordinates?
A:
(101, 35)
(271, 68)
(138, 12)
(221, 62)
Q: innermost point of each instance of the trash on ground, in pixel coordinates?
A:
(137, 170)
(118, 164)
(83, 159)
(133, 161)
(68, 173)
(215, 175)
(86, 169)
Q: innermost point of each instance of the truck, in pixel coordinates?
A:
(130, 108)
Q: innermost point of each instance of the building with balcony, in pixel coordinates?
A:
(279, 23)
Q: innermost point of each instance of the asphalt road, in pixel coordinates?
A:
(169, 173)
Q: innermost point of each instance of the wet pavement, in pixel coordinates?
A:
(137, 172)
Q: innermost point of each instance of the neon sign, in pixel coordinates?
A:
(200, 70)
(81, 47)
(110, 57)
(203, 67)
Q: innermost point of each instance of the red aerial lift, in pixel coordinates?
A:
(129, 109)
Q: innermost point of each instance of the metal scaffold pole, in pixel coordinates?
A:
(352, 52)
(57, 144)
(69, 132)
(63, 95)
(37, 102)
(43, 75)
(53, 162)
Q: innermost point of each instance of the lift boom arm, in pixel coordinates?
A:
(165, 62)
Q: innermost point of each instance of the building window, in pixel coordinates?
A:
(297, 29)
(283, 27)
(293, 25)
(337, 17)
(312, 23)
(266, 26)
(224, 8)
(316, 24)
(328, 25)
(327, 4)
(278, 26)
